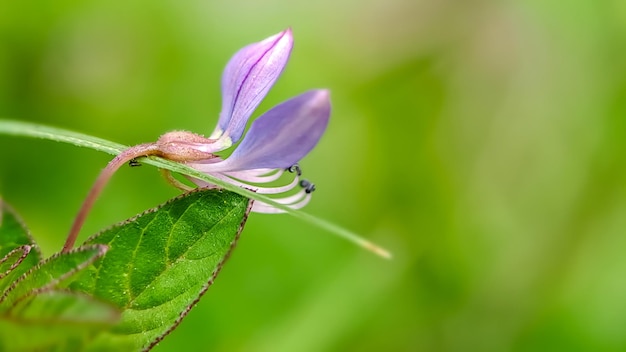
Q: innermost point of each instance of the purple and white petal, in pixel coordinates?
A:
(247, 78)
(303, 199)
(254, 176)
(247, 179)
(282, 136)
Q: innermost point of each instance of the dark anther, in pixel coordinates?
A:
(308, 186)
(295, 168)
(134, 163)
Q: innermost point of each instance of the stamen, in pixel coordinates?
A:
(260, 207)
(307, 185)
(261, 177)
(291, 199)
(295, 168)
(258, 189)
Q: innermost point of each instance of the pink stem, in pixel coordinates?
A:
(121, 159)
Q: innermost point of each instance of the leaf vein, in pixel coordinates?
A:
(220, 221)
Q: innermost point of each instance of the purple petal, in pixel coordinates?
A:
(282, 136)
(248, 76)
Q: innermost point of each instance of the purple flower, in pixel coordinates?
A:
(275, 141)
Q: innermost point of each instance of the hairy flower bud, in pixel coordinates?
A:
(185, 146)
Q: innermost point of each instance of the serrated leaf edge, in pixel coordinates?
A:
(25, 250)
(114, 309)
(208, 284)
(155, 209)
(102, 249)
(4, 206)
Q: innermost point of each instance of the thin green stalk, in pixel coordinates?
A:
(26, 129)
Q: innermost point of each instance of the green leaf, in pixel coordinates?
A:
(50, 273)
(12, 260)
(161, 262)
(18, 251)
(54, 320)
(20, 128)
(34, 316)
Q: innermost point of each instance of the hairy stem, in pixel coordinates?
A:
(121, 159)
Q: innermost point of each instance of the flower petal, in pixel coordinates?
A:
(295, 182)
(247, 78)
(261, 207)
(254, 176)
(282, 136)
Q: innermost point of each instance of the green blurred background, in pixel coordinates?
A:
(483, 142)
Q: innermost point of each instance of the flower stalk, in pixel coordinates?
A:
(124, 157)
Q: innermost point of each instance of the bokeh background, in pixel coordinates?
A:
(483, 142)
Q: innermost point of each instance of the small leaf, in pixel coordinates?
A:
(13, 259)
(13, 233)
(161, 262)
(34, 316)
(18, 251)
(50, 273)
(54, 320)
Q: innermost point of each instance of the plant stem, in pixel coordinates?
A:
(25, 129)
(104, 177)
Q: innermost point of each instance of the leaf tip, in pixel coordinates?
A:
(102, 249)
(376, 249)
